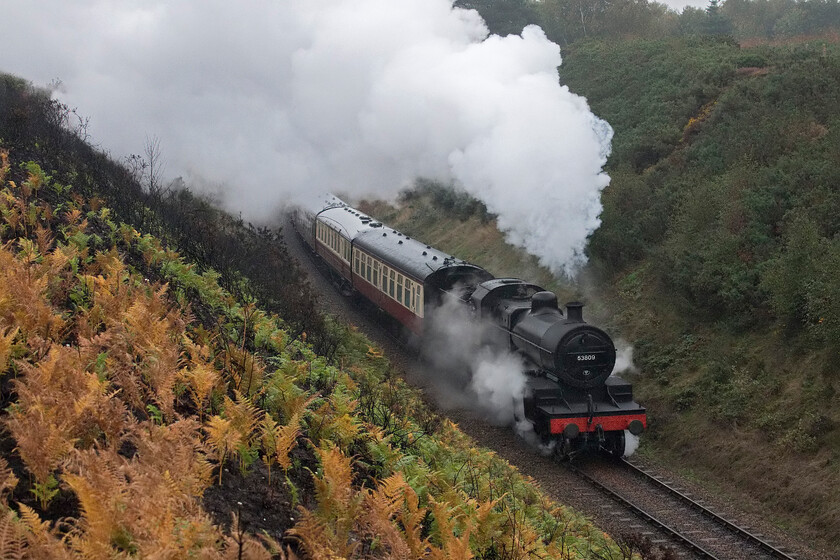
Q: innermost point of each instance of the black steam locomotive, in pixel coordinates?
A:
(571, 398)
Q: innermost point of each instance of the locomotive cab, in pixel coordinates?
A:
(455, 279)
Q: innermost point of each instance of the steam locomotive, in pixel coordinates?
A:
(570, 398)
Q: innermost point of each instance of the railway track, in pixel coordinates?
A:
(674, 520)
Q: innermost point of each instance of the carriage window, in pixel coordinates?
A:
(418, 300)
(407, 294)
(376, 273)
(399, 287)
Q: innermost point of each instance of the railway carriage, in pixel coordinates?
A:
(400, 275)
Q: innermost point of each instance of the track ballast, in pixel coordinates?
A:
(670, 518)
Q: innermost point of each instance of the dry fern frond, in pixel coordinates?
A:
(200, 374)
(13, 544)
(327, 532)
(278, 441)
(452, 546)
(176, 448)
(314, 536)
(243, 414)
(44, 239)
(379, 512)
(411, 518)
(99, 410)
(334, 488)
(338, 504)
(42, 540)
(147, 504)
(244, 417)
(4, 164)
(41, 443)
(202, 379)
(268, 438)
(103, 499)
(59, 405)
(487, 523)
(221, 438)
(8, 481)
(72, 217)
(153, 332)
(295, 407)
(286, 438)
(23, 299)
(6, 347)
(41, 429)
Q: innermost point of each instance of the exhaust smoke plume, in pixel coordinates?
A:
(467, 375)
(276, 99)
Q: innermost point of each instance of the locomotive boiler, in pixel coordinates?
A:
(571, 398)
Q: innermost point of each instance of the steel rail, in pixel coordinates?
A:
(667, 529)
(740, 531)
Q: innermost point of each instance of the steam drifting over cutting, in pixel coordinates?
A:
(276, 99)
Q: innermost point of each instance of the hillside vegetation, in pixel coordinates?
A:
(718, 257)
(149, 412)
(720, 246)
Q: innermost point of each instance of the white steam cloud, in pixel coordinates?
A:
(272, 99)
(623, 357)
(498, 381)
(468, 375)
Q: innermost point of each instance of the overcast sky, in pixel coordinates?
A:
(678, 5)
(263, 101)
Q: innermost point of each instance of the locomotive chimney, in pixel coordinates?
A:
(574, 312)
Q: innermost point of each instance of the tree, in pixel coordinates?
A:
(155, 166)
(716, 21)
